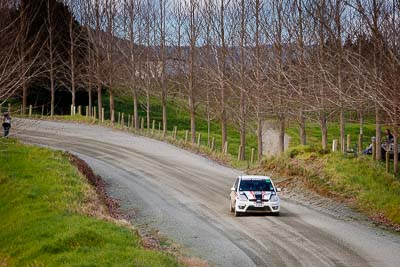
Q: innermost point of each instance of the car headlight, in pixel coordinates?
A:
(243, 197)
(274, 198)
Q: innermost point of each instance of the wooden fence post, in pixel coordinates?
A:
(22, 112)
(348, 143)
(226, 148)
(252, 155)
(30, 110)
(186, 136)
(173, 133)
(153, 126)
(79, 110)
(94, 113)
(102, 115)
(119, 118)
(212, 143)
(42, 110)
(159, 127)
(334, 145)
(199, 139)
(142, 123)
(360, 143)
(123, 120)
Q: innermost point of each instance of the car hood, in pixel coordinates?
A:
(266, 195)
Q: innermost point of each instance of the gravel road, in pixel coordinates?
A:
(185, 197)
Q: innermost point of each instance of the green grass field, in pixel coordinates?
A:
(42, 223)
(314, 134)
(179, 116)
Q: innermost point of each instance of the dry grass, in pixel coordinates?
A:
(193, 262)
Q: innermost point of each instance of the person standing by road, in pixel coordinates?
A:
(6, 124)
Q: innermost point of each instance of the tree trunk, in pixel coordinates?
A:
(148, 109)
(99, 100)
(192, 120)
(395, 149)
(97, 51)
(259, 138)
(378, 133)
(222, 74)
(243, 140)
(208, 130)
(72, 52)
(90, 99)
(164, 111)
(242, 120)
(302, 129)
(73, 97)
(242, 155)
(342, 131)
(324, 130)
(112, 108)
(361, 121)
(52, 90)
(135, 108)
(223, 117)
(163, 61)
(24, 98)
(192, 99)
(281, 133)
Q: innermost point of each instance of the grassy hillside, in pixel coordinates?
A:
(43, 221)
(360, 182)
(313, 133)
(179, 116)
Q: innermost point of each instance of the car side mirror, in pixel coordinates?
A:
(233, 189)
(278, 189)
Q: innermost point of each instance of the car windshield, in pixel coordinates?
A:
(256, 185)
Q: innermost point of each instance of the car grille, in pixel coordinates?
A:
(255, 200)
(266, 208)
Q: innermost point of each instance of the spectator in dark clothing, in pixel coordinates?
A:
(389, 137)
(6, 124)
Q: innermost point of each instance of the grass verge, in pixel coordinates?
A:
(44, 218)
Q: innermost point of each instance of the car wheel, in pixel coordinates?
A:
(237, 214)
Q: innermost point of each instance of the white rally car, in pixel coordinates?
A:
(254, 194)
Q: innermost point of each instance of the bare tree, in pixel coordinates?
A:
(164, 91)
(18, 55)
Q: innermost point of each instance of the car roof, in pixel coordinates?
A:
(254, 177)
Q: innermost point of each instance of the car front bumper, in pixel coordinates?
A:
(265, 206)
